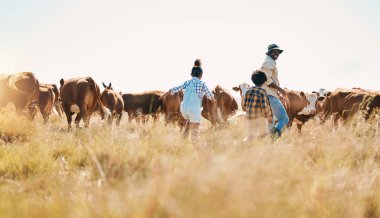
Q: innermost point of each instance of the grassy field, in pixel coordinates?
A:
(149, 171)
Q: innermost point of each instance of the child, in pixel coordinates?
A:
(256, 105)
(191, 105)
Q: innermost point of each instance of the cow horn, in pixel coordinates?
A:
(104, 85)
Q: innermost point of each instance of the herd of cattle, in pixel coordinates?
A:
(82, 96)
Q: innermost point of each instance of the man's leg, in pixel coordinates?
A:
(279, 112)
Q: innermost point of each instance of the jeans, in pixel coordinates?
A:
(279, 112)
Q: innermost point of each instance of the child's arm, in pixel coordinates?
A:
(174, 90)
(162, 97)
(245, 101)
(207, 92)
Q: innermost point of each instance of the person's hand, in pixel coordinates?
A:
(163, 96)
(283, 93)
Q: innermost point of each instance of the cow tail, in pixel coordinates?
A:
(151, 104)
(105, 110)
(96, 90)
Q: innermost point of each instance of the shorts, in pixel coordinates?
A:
(192, 113)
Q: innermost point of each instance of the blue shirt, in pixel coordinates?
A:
(200, 88)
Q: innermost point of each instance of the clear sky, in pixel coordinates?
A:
(141, 45)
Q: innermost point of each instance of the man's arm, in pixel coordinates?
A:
(278, 88)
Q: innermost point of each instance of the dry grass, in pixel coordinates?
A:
(149, 171)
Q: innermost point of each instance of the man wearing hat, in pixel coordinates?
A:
(272, 86)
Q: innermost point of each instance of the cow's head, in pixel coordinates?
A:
(321, 92)
(242, 89)
(310, 108)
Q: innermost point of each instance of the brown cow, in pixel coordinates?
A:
(141, 104)
(242, 89)
(80, 95)
(20, 89)
(295, 103)
(371, 102)
(171, 108)
(114, 102)
(48, 98)
(310, 111)
(344, 103)
(219, 111)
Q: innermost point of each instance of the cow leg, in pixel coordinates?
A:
(69, 119)
(299, 127)
(142, 119)
(155, 117)
(119, 119)
(181, 122)
(80, 115)
(86, 120)
(32, 110)
(46, 117)
(335, 120)
(130, 117)
(110, 120)
(168, 118)
(290, 123)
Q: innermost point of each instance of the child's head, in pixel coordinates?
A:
(197, 70)
(258, 77)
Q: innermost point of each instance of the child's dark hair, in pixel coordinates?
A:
(197, 69)
(258, 77)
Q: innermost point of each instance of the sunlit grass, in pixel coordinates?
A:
(150, 171)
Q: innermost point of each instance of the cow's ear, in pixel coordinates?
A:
(104, 85)
(55, 87)
(302, 94)
(235, 88)
(321, 98)
(61, 82)
(328, 94)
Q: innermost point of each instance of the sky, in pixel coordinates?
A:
(152, 44)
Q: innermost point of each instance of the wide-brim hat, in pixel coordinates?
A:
(274, 47)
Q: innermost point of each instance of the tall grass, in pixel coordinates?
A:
(150, 171)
